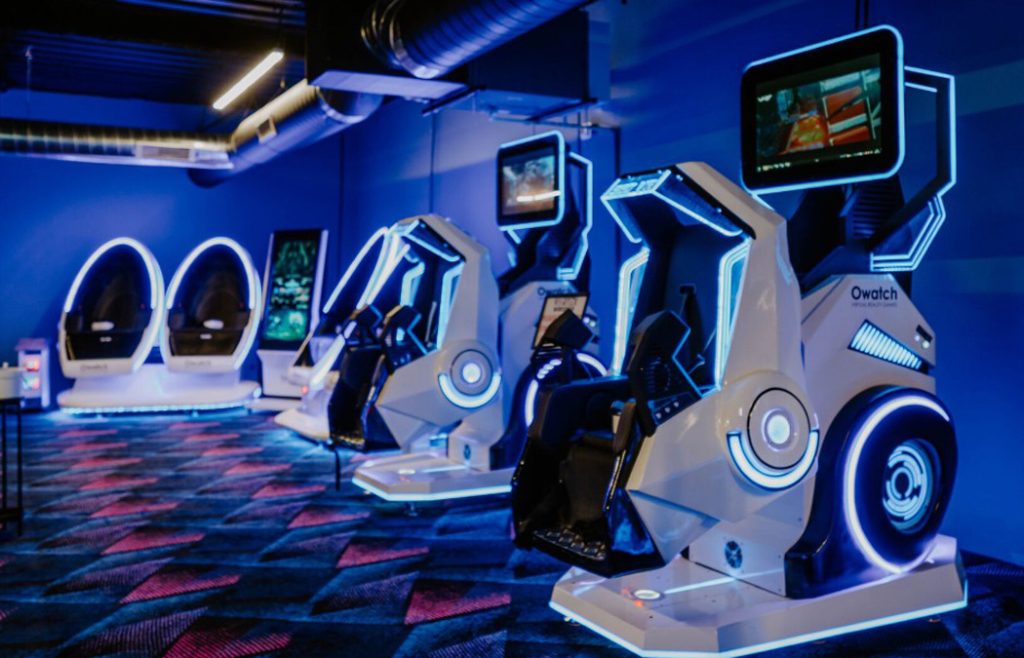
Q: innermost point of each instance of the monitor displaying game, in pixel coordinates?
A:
(530, 182)
(293, 275)
(824, 114)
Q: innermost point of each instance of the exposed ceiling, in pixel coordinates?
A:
(172, 51)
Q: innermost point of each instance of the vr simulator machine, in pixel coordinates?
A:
(450, 374)
(116, 310)
(292, 283)
(314, 367)
(769, 463)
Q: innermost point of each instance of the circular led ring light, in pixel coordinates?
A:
(780, 446)
(899, 461)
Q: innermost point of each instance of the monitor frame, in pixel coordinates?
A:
(884, 41)
(534, 144)
(320, 236)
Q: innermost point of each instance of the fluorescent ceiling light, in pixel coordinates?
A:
(248, 79)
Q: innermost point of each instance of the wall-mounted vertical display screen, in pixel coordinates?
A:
(824, 114)
(530, 182)
(293, 272)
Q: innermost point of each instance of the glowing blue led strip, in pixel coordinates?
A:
(156, 295)
(726, 304)
(763, 476)
(852, 467)
(380, 235)
(765, 646)
(323, 365)
(253, 299)
(250, 272)
(161, 408)
(899, 111)
(697, 216)
(873, 342)
(449, 283)
(530, 399)
(394, 256)
(156, 284)
(631, 276)
(465, 401)
(936, 207)
(570, 273)
(408, 232)
(409, 281)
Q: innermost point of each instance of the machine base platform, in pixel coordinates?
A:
(314, 428)
(429, 475)
(684, 610)
(271, 403)
(153, 388)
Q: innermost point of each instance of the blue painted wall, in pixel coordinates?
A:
(399, 163)
(54, 214)
(675, 78)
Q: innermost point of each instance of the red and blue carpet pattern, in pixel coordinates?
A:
(222, 537)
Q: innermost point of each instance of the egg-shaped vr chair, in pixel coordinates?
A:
(110, 321)
(213, 311)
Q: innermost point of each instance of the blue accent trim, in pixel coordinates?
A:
(570, 273)
(160, 408)
(631, 276)
(873, 341)
(378, 236)
(754, 470)
(463, 400)
(936, 208)
(729, 287)
(852, 468)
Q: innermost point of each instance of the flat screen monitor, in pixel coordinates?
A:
(531, 181)
(828, 114)
(554, 307)
(292, 287)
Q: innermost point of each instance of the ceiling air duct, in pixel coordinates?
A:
(430, 39)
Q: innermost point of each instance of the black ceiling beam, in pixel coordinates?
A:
(132, 23)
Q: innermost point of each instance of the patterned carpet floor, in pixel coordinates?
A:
(222, 536)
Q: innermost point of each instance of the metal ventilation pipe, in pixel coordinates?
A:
(301, 115)
(65, 141)
(430, 39)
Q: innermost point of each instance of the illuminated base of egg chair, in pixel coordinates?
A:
(153, 388)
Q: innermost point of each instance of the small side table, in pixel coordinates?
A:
(9, 512)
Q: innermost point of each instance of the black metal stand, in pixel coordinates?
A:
(10, 512)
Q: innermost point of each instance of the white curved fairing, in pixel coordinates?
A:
(75, 367)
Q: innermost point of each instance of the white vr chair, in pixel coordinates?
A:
(773, 465)
(110, 321)
(116, 310)
(457, 402)
(213, 312)
(315, 366)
